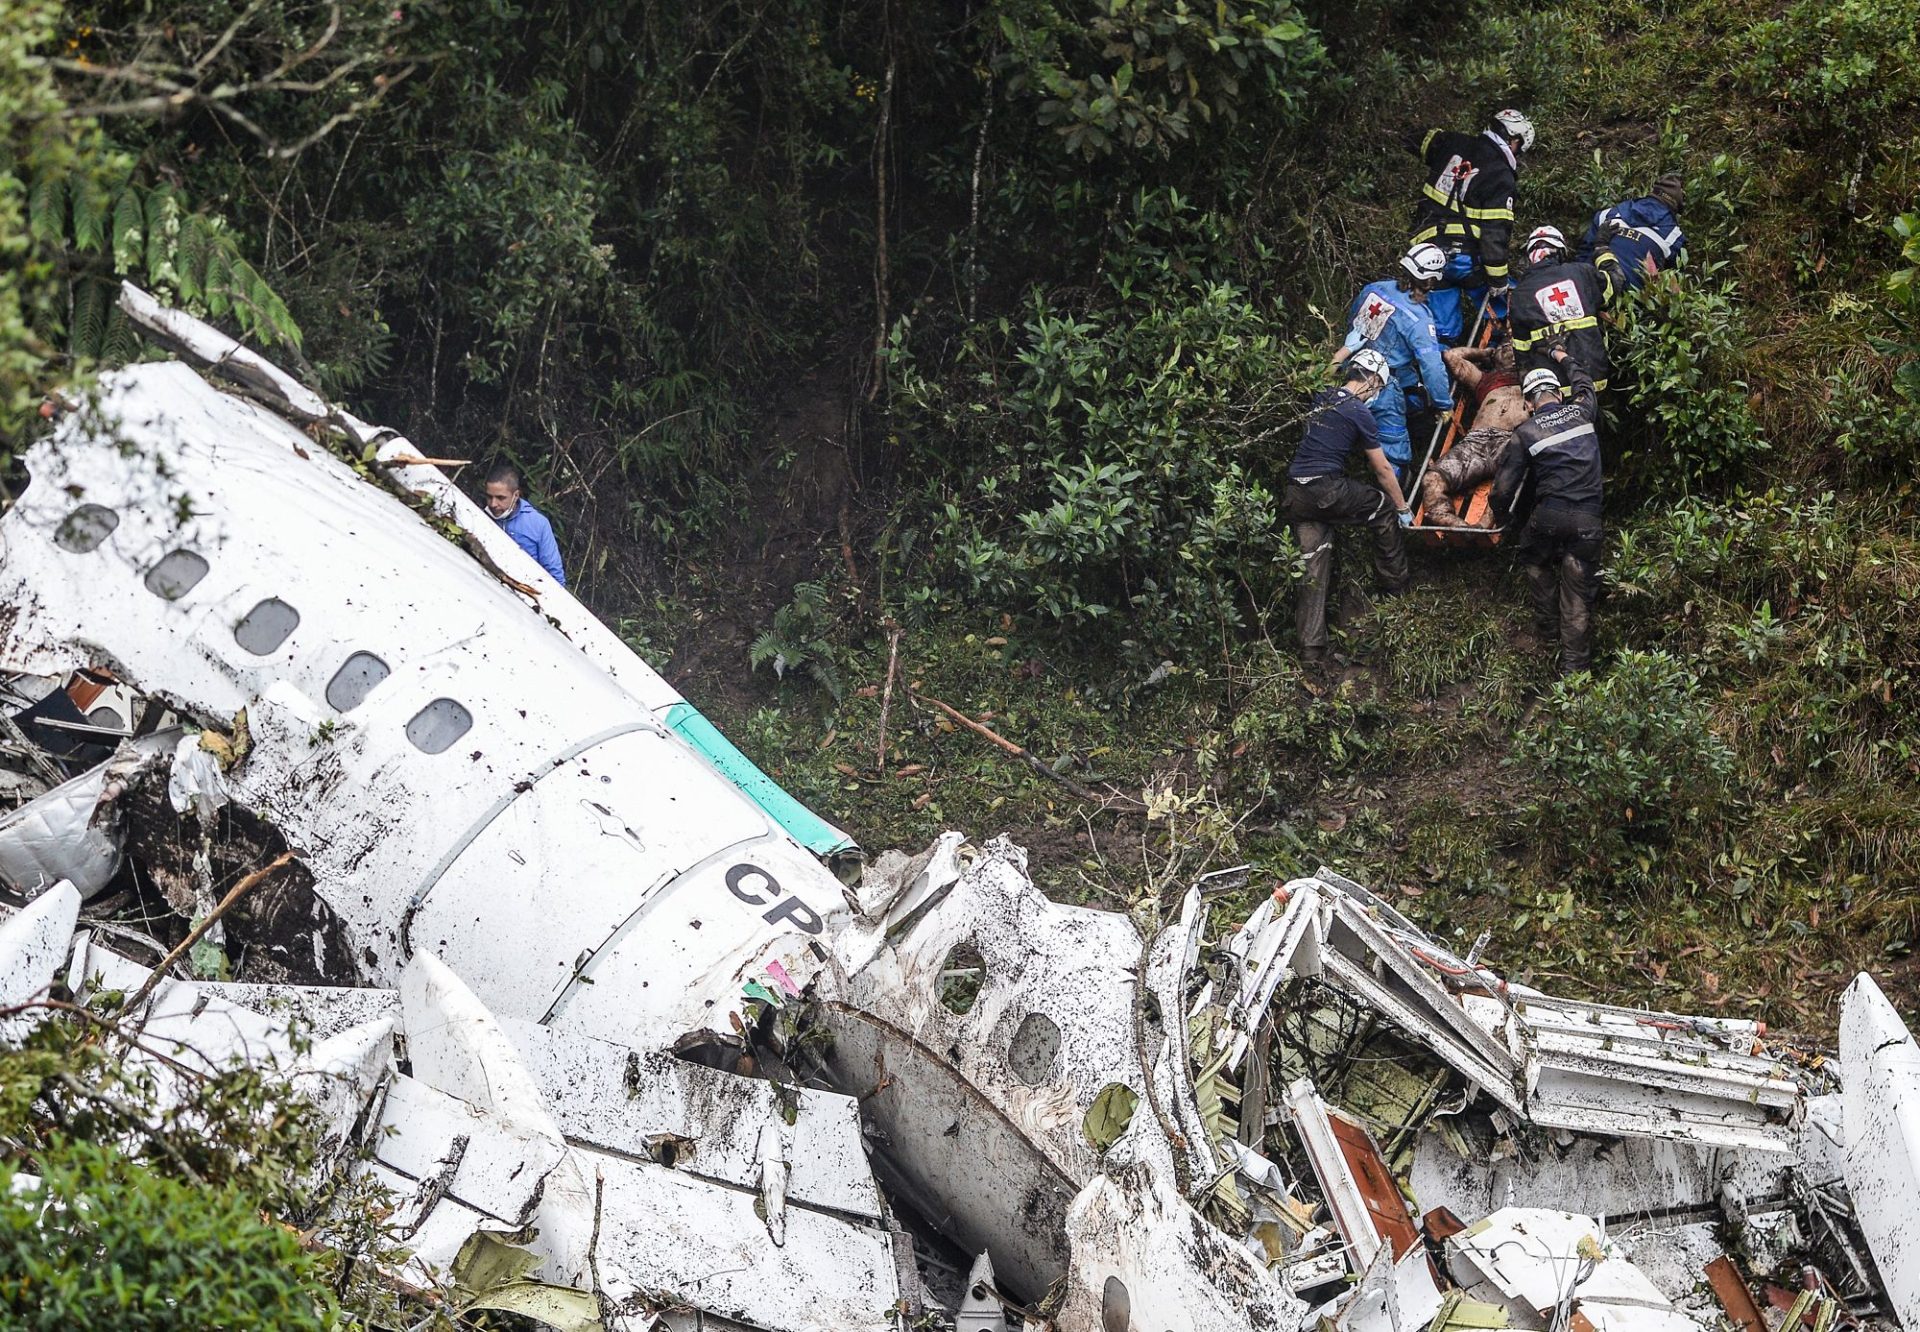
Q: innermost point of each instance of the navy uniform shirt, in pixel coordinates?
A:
(1338, 423)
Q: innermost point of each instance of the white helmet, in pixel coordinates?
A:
(1369, 362)
(1545, 240)
(1425, 262)
(1515, 125)
(1539, 380)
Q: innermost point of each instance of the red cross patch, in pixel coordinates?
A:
(1456, 176)
(1371, 319)
(1560, 301)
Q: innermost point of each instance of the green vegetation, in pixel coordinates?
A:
(128, 1207)
(993, 323)
(103, 1242)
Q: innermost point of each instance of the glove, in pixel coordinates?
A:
(1406, 517)
(1613, 229)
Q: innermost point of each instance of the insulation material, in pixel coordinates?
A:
(71, 831)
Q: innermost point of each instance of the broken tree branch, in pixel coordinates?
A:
(1111, 800)
(199, 932)
(487, 562)
(415, 460)
(886, 692)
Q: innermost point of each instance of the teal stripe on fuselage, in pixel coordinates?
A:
(800, 823)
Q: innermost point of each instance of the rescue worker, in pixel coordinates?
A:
(1643, 234)
(1466, 208)
(527, 526)
(1559, 301)
(1557, 448)
(1390, 316)
(1320, 494)
(1489, 375)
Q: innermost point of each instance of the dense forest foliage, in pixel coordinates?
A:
(976, 334)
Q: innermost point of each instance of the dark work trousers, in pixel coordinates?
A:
(1560, 549)
(1316, 507)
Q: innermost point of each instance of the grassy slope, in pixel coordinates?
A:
(1792, 873)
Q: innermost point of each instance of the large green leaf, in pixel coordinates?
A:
(489, 1273)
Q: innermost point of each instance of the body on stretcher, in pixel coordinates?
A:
(1471, 507)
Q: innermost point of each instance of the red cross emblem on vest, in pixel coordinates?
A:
(1560, 301)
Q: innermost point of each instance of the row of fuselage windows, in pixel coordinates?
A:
(262, 630)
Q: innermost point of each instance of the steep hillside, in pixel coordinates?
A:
(1724, 816)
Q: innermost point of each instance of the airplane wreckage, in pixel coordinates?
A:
(579, 985)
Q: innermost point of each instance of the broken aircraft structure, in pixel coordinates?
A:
(582, 984)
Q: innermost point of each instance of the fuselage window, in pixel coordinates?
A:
(85, 528)
(438, 725)
(177, 574)
(266, 627)
(355, 679)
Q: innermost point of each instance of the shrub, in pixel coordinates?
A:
(1116, 462)
(796, 641)
(1682, 338)
(1145, 74)
(1842, 67)
(1631, 751)
(106, 1242)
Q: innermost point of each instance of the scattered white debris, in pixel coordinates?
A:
(33, 943)
(1881, 1094)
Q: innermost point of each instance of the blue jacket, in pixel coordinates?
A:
(1656, 236)
(1398, 327)
(534, 534)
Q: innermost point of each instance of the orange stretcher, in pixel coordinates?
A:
(1474, 509)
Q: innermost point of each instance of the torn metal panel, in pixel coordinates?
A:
(1276, 947)
(1881, 1099)
(1366, 961)
(625, 1101)
(1547, 1266)
(1468, 1172)
(1171, 960)
(214, 349)
(321, 1011)
(1392, 1296)
(1597, 1069)
(1143, 1258)
(983, 1112)
(1368, 1169)
(476, 1128)
(1352, 1213)
(705, 1245)
(33, 944)
(71, 832)
(1730, 1288)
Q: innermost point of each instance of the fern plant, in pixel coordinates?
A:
(797, 640)
(107, 232)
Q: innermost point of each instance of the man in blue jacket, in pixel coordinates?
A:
(1391, 317)
(1644, 233)
(527, 526)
